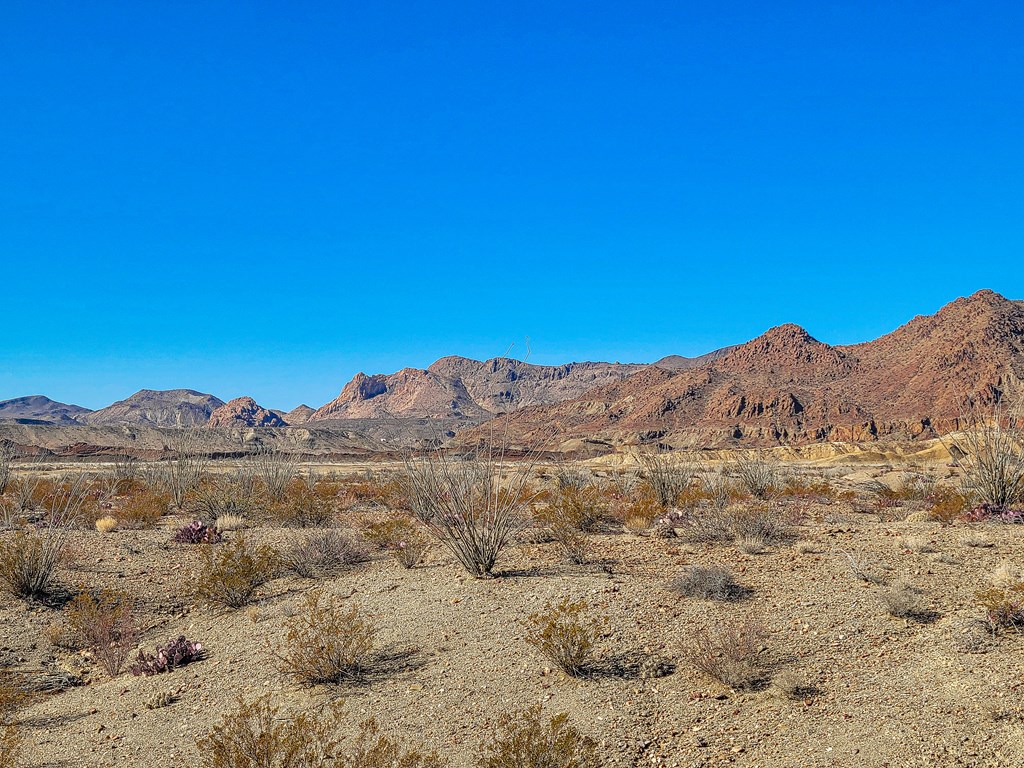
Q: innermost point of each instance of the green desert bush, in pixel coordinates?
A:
(233, 571)
(529, 740)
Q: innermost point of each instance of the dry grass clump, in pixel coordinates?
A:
(232, 572)
(230, 523)
(528, 740)
(104, 623)
(257, 734)
(708, 583)
(145, 509)
(305, 504)
(562, 632)
(755, 527)
(398, 536)
(324, 552)
(729, 652)
(905, 601)
(865, 567)
(327, 646)
(977, 541)
(918, 544)
(106, 524)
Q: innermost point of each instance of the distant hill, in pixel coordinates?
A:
(37, 409)
(158, 408)
(787, 387)
(298, 415)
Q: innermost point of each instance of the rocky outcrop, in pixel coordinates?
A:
(787, 387)
(244, 412)
(298, 415)
(158, 408)
(470, 390)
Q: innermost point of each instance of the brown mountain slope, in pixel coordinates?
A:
(458, 387)
(785, 386)
(38, 409)
(244, 412)
(157, 408)
(298, 415)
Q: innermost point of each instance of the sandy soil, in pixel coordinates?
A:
(889, 691)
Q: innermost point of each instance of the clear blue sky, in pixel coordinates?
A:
(265, 198)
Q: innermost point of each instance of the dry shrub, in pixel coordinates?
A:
(640, 514)
(400, 537)
(816, 490)
(144, 510)
(7, 454)
(572, 506)
(729, 652)
(708, 583)
(947, 505)
(759, 476)
(10, 745)
(324, 552)
(977, 540)
(795, 686)
(368, 491)
(106, 524)
(104, 623)
(990, 452)
(528, 740)
(563, 633)
(275, 469)
(1003, 602)
(236, 493)
(666, 476)
(258, 735)
(29, 562)
(306, 504)
(374, 750)
(327, 646)
(474, 507)
(232, 572)
(904, 601)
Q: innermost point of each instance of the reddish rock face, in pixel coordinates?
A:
(244, 412)
(787, 387)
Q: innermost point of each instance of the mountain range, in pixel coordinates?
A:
(784, 386)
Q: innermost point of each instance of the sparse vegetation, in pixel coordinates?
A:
(325, 645)
(105, 624)
(233, 572)
(905, 601)
(760, 476)
(565, 635)
(667, 476)
(474, 507)
(990, 452)
(178, 652)
(400, 537)
(708, 583)
(323, 552)
(529, 740)
(258, 734)
(304, 505)
(144, 510)
(730, 652)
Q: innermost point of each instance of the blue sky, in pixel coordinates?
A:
(265, 198)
